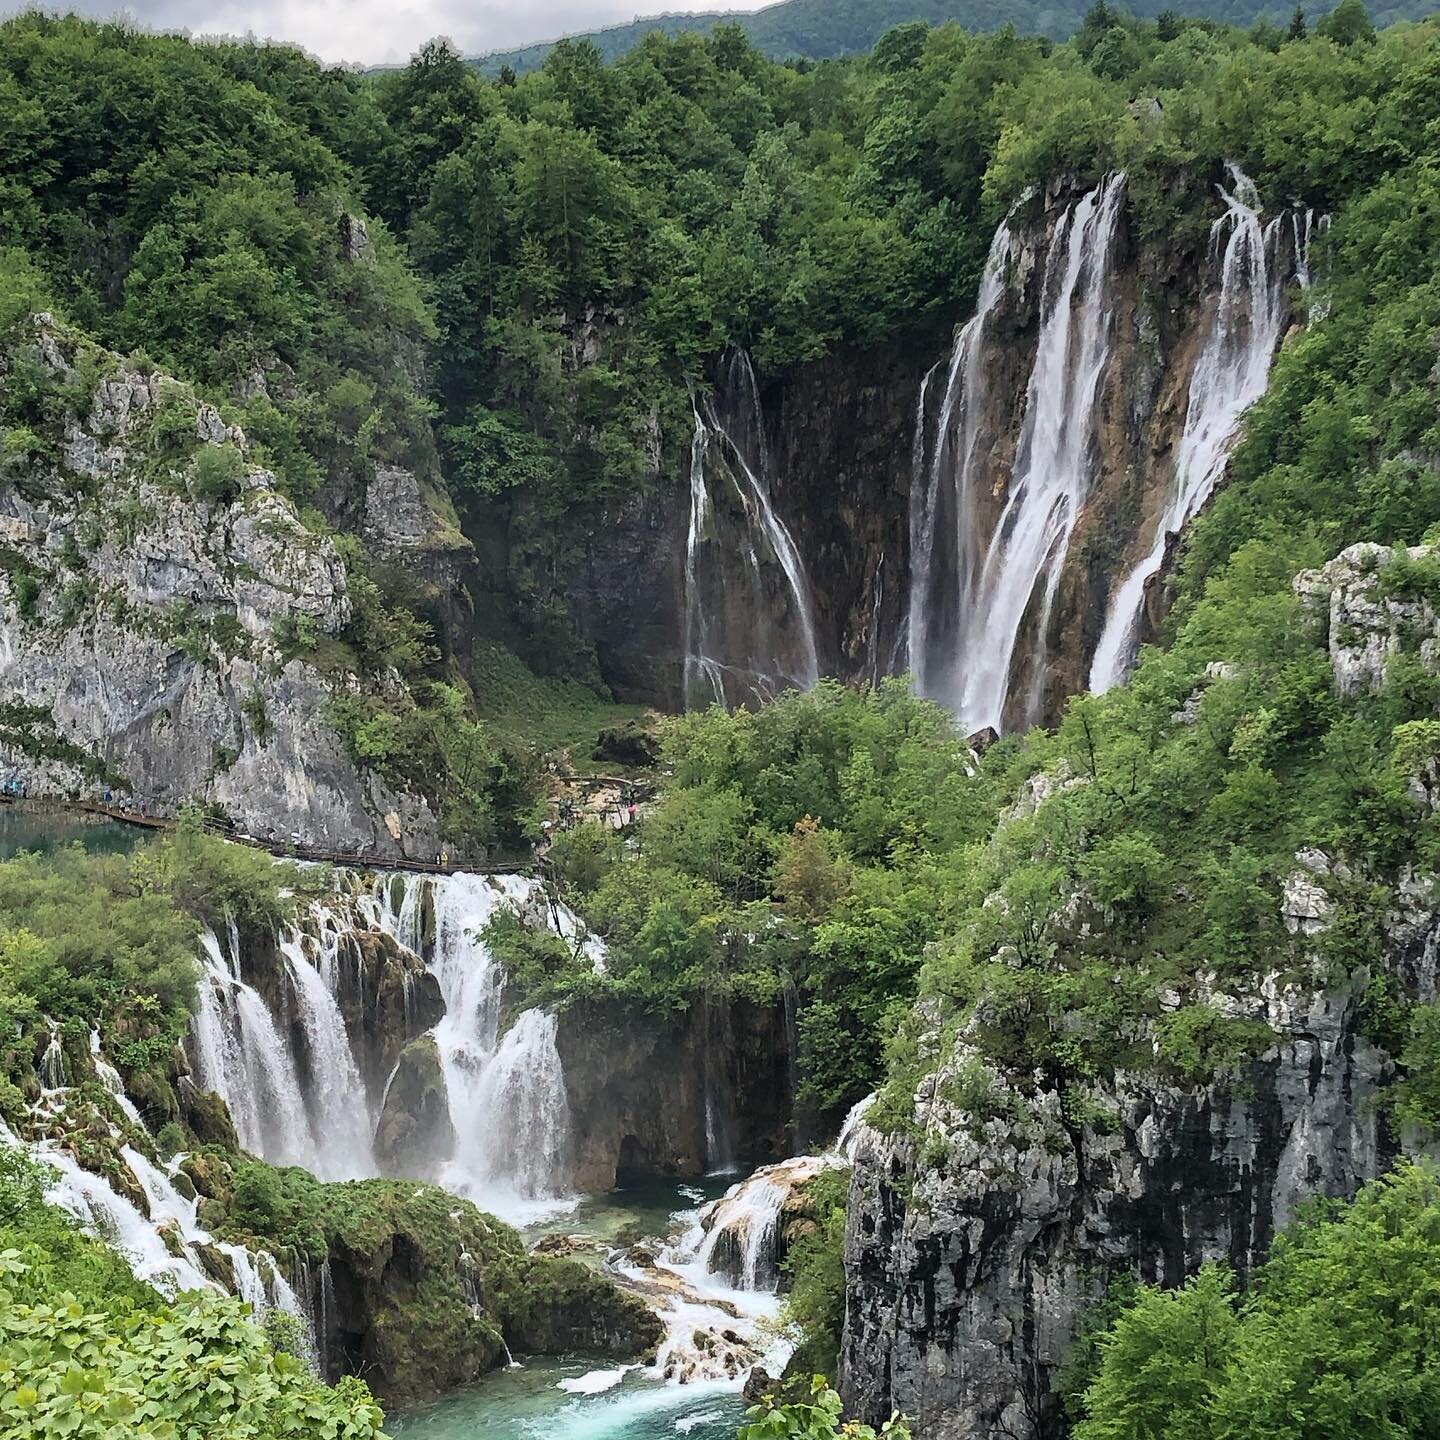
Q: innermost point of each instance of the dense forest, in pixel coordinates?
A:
(552, 262)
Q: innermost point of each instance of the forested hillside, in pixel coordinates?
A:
(825, 29)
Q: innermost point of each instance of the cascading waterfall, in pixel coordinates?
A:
(749, 617)
(1230, 375)
(240, 1054)
(975, 599)
(163, 1247)
(306, 1104)
(508, 1104)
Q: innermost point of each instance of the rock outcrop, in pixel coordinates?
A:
(1375, 603)
(638, 1090)
(161, 606)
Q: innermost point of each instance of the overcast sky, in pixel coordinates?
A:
(375, 32)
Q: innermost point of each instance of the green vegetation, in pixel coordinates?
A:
(110, 941)
(816, 1419)
(1335, 1338)
(816, 1265)
(87, 1351)
(793, 846)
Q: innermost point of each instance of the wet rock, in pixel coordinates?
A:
(414, 1133)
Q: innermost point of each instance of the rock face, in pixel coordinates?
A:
(974, 1245)
(1372, 611)
(638, 1091)
(155, 629)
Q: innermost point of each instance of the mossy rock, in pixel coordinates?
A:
(211, 1176)
(414, 1132)
(153, 1096)
(559, 1307)
(206, 1116)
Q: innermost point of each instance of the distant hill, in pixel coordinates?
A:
(824, 29)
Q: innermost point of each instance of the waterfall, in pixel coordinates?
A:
(743, 1235)
(976, 598)
(749, 619)
(341, 1122)
(508, 1104)
(1230, 375)
(509, 1108)
(848, 1140)
(52, 1064)
(239, 1053)
(944, 534)
(296, 1093)
(109, 1077)
(106, 1213)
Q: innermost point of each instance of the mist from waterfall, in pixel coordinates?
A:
(981, 604)
(1255, 261)
(749, 615)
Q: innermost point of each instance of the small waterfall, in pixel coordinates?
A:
(850, 1131)
(109, 1077)
(1230, 375)
(52, 1064)
(744, 1233)
(340, 1118)
(105, 1212)
(719, 1151)
(749, 619)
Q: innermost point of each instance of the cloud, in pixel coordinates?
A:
(377, 32)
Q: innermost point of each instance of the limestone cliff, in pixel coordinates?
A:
(981, 1229)
(163, 606)
(850, 437)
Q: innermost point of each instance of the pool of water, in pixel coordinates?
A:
(527, 1404)
(23, 827)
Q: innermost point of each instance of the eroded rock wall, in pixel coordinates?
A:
(148, 638)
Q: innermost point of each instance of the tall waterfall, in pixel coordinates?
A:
(969, 618)
(1230, 375)
(749, 616)
(945, 534)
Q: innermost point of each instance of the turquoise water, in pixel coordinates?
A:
(524, 1404)
(46, 830)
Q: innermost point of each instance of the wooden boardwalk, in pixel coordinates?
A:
(284, 849)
